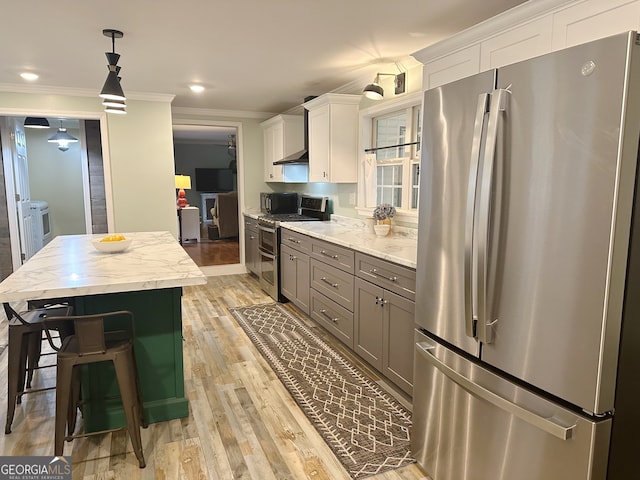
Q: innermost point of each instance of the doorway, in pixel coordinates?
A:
(209, 155)
(59, 188)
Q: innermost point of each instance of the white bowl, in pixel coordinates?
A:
(111, 247)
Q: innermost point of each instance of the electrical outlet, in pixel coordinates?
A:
(352, 199)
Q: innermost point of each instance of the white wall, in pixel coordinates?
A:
(138, 150)
(56, 177)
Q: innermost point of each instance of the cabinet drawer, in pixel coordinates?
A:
(336, 319)
(296, 240)
(251, 224)
(393, 277)
(339, 257)
(333, 283)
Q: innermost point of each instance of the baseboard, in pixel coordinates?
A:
(217, 270)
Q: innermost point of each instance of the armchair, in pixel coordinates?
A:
(225, 214)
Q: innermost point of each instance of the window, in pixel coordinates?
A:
(397, 167)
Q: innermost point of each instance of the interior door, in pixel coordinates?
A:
(24, 241)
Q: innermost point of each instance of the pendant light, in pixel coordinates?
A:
(62, 138)
(112, 90)
(36, 122)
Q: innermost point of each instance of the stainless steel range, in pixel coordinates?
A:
(311, 209)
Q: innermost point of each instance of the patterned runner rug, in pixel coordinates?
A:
(366, 428)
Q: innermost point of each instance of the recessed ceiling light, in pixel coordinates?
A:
(196, 88)
(29, 76)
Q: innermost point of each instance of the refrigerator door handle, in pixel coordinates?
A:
(546, 424)
(499, 103)
(470, 252)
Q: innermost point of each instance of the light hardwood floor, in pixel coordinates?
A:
(242, 424)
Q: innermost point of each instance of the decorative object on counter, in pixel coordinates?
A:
(382, 229)
(383, 214)
(182, 182)
(111, 243)
(367, 429)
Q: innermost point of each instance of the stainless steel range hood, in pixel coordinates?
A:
(302, 156)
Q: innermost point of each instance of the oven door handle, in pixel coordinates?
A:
(266, 254)
(266, 229)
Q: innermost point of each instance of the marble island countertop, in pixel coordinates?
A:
(399, 247)
(70, 266)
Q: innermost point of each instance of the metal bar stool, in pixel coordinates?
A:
(91, 344)
(25, 337)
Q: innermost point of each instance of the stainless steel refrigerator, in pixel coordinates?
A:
(527, 351)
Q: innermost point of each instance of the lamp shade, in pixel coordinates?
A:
(62, 137)
(373, 91)
(36, 122)
(112, 89)
(183, 181)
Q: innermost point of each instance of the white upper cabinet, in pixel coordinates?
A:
(333, 138)
(526, 31)
(520, 43)
(593, 19)
(447, 69)
(283, 136)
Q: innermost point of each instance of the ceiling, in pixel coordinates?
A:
(250, 55)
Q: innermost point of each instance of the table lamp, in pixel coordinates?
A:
(182, 182)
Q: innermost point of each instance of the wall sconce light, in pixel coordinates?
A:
(36, 122)
(182, 182)
(112, 90)
(374, 91)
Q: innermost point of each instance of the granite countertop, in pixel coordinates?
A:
(399, 247)
(70, 266)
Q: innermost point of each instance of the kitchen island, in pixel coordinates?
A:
(146, 279)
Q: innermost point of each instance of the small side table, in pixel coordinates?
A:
(189, 218)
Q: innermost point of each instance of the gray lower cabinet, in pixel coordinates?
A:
(294, 276)
(383, 332)
(384, 317)
(365, 302)
(334, 318)
(251, 252)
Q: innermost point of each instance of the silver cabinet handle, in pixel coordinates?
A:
(324, 312)
(324, 279)
(375, 273)
(251, 237)
(327, 254)
(546, 424)
(291, 239)
(292, 257)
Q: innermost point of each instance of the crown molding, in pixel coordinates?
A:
(212, 112)
(79, 92)
(520, 14)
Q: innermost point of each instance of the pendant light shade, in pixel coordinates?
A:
(36, 122)
(61, 137)
(112, 89)
(373, 91)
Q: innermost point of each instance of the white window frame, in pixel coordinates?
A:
(367, 115)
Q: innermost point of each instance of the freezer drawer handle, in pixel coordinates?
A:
(546, 424)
